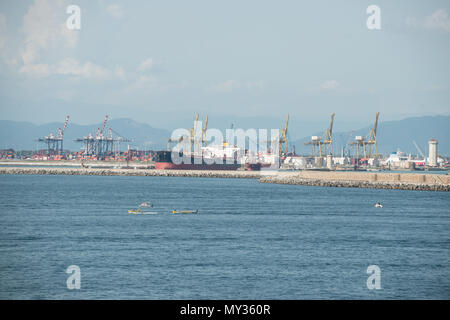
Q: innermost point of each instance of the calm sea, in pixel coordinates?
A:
(248, 241)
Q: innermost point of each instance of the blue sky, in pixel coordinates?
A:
(159, 62)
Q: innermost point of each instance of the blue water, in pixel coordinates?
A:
(249, 240)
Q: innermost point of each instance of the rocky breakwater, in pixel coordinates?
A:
(401, 181)
(129, 172)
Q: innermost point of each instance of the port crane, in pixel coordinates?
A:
(420, 150)
(192, 134)
(368, 141)
(55, 142)
(191, 139)
(61, 134)
(283, 137)
(205, 128)
(282, 140)
(93, 145)
(320, 144)
(101, 144)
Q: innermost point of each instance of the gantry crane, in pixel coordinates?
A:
(322, 143)
(367, 142)
(191, 139)
(55, 142)
(205, 128)
(101, 144)
(61, 134)
(192, 134)
(283, 138)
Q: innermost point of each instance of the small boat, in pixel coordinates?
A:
(145, 205)
(135, 211)
(184, 211)
(141, 209)
(378, 205)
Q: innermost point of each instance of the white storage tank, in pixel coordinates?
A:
(329, 162)
(432, 153)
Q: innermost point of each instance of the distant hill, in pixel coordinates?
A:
(393, 135)
(23, 135)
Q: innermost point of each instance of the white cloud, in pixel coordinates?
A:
(146, 84)
(67, 67)
(226, 86)
(44, 28)
(115, 11)
(146, 64)
(2, 30)
(39, 70)
(438, 20)
(259, 84)
(70, 66)
(119, 71)
(231, 85)
(329, 85)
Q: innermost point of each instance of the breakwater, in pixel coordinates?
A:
(403, 181)
(131, 172)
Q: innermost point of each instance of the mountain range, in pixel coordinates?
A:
(391, 135)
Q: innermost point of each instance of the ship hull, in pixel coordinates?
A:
(164, 162)
(189, 166)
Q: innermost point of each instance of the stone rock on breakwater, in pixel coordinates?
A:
(402, 181)
(355, 184)
(131, 172)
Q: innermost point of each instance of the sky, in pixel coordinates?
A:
(245, 62)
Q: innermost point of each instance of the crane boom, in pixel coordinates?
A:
(283, 138)
(206, 124)
(287, 122)
(64, 127)
(418, 149)
(331, 124)
(204, 130)
(104, 124)
(194, 128)
(376, 124)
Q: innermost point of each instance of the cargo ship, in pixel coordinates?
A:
(216, 157)
(164, 162)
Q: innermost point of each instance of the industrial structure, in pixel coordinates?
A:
(101, 145)
(54, 143)
(432, 154)
(105, 144)
(283, 144)
(367, 142)
(320, 144)
(189, 141)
